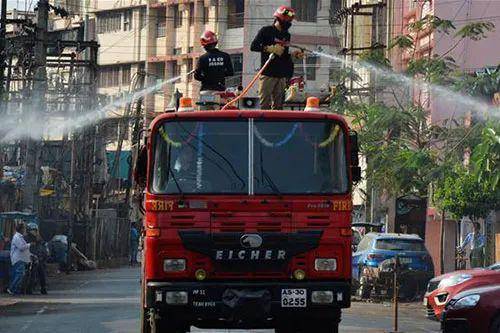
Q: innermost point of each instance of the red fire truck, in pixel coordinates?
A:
(247, 220)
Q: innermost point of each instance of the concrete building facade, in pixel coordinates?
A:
(174, 28)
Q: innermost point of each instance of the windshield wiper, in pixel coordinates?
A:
(171, 172)
(266, 176)
(243, 184)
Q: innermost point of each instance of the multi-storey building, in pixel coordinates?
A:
(174, 28)
(162, 38)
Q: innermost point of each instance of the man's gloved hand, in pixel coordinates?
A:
(276, 49)
(298, 54)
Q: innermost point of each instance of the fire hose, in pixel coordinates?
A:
(250, 85)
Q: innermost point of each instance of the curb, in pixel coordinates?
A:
(7, 302)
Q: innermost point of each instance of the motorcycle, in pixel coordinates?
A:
(378, 282)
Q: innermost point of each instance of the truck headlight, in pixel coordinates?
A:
(176, 297)
(174, 265)
(324, 264)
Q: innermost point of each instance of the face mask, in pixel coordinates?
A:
(286, 25)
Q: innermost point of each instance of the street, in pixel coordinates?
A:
(108, 301)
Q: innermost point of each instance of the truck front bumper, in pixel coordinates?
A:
(241, 304)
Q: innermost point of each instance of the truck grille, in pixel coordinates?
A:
(251, 222)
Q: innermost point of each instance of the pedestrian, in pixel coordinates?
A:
(476, 241)
(39, 267)
(19, 258)
(134, 243)
(214, 66)
(275, 39)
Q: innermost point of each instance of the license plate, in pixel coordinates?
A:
(293, 298)
(405, 260)
(425, 301)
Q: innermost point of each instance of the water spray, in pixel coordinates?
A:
(473, 104)
(28, 125)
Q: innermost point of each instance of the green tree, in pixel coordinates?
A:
(405, 153)
(461, 194)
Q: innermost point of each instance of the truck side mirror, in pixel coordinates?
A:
(140, 168)
(355, 168)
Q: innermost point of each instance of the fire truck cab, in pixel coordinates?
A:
(247, 220)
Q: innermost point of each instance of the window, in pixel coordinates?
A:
(235, 11)
(191, 167)
(316, 148)
(190, 49)
(177, 17)
(127, 20)
(161, 24)
(178, 50)
(126, 74)
(191, 13)
(109, 76)
(176, 68)
(364, 244)
(237, 60)
(306, 10)
(206, 13)
(236, 80)
(109, 22)
(310, 68)
(400, 245)
(142, 18)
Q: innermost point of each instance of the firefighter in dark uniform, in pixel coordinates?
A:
(39, 266)
(275, 39)
(214, 66)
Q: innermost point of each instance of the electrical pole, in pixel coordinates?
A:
(3, 52)
(39, 103)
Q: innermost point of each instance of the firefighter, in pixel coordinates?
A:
(38, 266)
(275, 39)
(214, 66)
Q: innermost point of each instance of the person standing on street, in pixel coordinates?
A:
(214, 66)
(275, 39)
(39, 249)
(134, 243)
(19, 258)
(476, 242)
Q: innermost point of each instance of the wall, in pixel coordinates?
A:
(259, 13)
(469, 55)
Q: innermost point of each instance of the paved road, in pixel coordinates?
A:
(107, 301)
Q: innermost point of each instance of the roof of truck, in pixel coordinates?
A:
(261, 114)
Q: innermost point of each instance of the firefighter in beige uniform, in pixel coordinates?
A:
(275, 39)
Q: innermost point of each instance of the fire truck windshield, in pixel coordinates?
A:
(214, 157)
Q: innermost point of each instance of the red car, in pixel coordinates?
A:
(442, 288)
(475, 310)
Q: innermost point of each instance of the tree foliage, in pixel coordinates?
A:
(404, 151)
(462, 195)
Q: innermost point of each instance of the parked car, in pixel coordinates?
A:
(376, 248)
(444, 287)
(475, 310)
